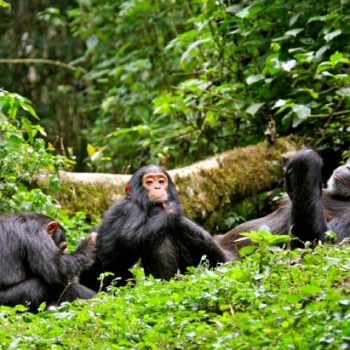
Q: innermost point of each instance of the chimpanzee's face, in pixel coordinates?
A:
(342, 174)
(156, 185)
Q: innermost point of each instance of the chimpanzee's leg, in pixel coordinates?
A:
(75, 290)
(31, 292)
(341, 225)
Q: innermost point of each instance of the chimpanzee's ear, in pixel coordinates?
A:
(127, 190)
(51, 227)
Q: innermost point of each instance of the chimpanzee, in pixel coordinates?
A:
(308, 211)
(149, 224)
(33, 267)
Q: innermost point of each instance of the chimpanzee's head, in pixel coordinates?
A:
(151, 185)
(56, 232)
(339, 182)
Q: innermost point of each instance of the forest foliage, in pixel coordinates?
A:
(174, 81)
(274, 299)
(23, 156)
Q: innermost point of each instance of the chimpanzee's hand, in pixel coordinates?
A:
(167, 207)
(93, 237)
(87, 248)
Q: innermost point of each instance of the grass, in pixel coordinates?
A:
(295, 300)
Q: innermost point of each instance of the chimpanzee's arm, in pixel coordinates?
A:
(47, 262)
(128, 225)
(304, 187)
(73, 264)
(117, 245)
(167, 219)
(196, 239)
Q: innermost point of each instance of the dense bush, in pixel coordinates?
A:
(22, 153)
(24, 156)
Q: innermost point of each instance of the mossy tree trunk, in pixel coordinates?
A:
(205, 187)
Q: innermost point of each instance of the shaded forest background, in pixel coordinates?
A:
(172, 82)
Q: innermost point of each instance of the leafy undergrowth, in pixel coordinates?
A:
(293, 300)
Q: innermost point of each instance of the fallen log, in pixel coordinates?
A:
(204, 187)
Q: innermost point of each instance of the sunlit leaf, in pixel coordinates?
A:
(250, 249)
(310, 289)
(244, 12)
(279, 103)
(254, 78)
(338, 57)
(302, 112)
(90, 149)
(4, 4)
(254, 108)
(343, 92)
(288, 65)
(186, 56)
(330, 36)
(294, 32)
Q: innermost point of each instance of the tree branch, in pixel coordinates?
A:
(204, 187)
(41, 61)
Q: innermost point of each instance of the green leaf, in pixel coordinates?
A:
(330, 36)
(288, 65)
(293, 32)
(343, 92)
(254, 78)
(254, 108)
(16, 139)
(90, 149)
(302, 112)
(338, 57)
(279, 103)
(4, 4)
(92, 42)
(244, 12)
(190, 52)
(248, 250)
(310, 290)
(311, 92)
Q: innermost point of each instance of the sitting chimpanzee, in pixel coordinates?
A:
(33, 267)
(150, 225)
(309, 211)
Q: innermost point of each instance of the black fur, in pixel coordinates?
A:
(164, 239)
(308, 211)
(304, 186)
(33, 269)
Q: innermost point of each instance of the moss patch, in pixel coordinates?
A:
(242, 172)
(93, 200)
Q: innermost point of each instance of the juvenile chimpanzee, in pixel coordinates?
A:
(309, 211)
(150, 225)
(33, 267)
